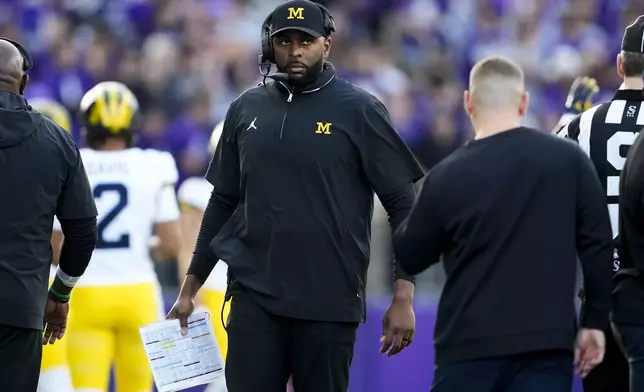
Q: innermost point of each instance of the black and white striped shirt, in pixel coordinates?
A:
(605, 133)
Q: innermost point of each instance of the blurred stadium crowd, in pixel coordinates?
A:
(187, 59)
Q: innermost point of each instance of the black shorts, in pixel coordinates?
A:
(20, 356)
(612, 374)
(264, 350)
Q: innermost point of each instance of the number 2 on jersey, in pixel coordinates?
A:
(122, 198)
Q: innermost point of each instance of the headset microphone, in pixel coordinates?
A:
(266, 59)
(265, 69)
(264, 65)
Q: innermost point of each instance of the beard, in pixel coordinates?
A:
(303, 78)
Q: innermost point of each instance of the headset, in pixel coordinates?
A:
(27, 62)
(268, 55)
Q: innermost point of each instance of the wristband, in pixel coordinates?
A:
(69, 281)
(58, 297)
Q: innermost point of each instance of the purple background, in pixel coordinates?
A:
(410, 371)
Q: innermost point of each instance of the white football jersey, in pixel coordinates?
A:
(195, 192)
(133, 190)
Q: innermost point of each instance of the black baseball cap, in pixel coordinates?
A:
(302, 15)
(633, 40)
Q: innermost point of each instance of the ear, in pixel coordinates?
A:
(620, 65)
(523, 105)
(327, 46)
(467, 103)
(23, 83)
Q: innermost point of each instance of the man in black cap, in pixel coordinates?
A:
(42, 175)
(605, 132)
(294, 176)
(628, 292)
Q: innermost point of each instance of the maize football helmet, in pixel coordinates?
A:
(109, 110)
(54, 111)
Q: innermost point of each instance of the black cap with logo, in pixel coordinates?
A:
(633, 40)
(302, 15)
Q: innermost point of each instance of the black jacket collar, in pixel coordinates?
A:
(629, 95)
(12, 101)
(324, 78)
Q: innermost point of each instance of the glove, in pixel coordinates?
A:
(581, 94)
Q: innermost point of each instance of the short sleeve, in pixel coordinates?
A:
(194, 192)
(76, 200)
(167, 208)
(561, 129)
(224, 172)
(167, 168)
(387, 161)
(570, 128)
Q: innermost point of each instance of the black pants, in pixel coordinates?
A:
(20, 356)
(546, 371)
(631, 339)
(264, 350)
(612, 374)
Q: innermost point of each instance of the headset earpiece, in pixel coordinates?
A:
(329, 22)
(267, 42)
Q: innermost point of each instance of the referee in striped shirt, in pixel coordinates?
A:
(605, 132)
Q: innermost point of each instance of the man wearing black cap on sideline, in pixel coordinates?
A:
(42, 175)
(605, 132)
(628, 292)
(294, 176)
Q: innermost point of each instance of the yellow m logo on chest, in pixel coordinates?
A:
(324, 128)
(295, 13)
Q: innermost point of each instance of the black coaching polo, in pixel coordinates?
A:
(302, 167)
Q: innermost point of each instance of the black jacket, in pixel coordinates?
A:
(510, 213)
(628, 290)
(42, 175)
(299, 168)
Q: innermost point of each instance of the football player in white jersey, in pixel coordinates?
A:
(119, 292)
(194, 194)
(54, 370)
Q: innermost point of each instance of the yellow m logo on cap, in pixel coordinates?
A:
(295, 13)
(324, 128)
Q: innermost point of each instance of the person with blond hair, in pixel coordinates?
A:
(509, 212)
